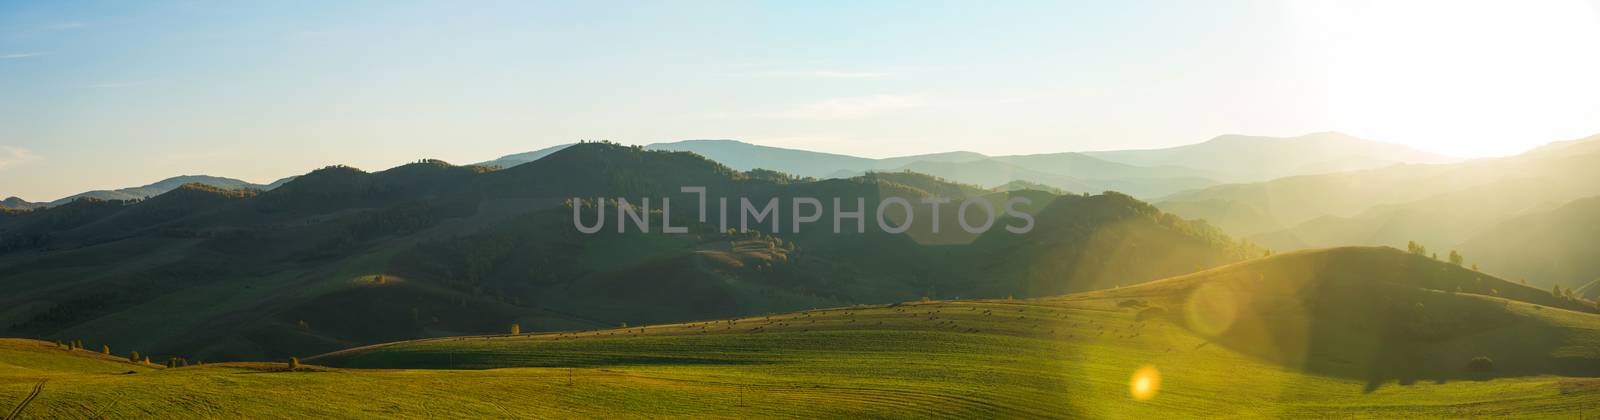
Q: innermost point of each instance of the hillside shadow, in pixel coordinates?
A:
(1395, 342)
(1378, 316)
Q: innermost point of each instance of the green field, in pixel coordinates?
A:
(1068, 356)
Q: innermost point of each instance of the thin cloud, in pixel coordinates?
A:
(62, 26)
(19, 56)
(112, 85)
(11, 155)
(823, 74)
(852, 107)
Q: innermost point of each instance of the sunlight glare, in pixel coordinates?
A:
(1463, 78)
(1211, 309)
(1146, 382)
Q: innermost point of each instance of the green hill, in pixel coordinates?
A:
(1075, 172)
(342, 257)
(1441, 205)
(165, 185)
(14, 203)
(1554, 247)
(1351, 332)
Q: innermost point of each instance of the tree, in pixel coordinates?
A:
(1480, 364)
(134, 357)
(105, 349)
(294, 363)
(1416, 249)
(1455, 258)
(516, 329)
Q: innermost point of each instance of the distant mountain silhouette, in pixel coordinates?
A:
(1551, 247)
(14, 203)
(1072, 172)
(1142, 173)
(1440, 206)
(1259, 158)
(511, 160)
(1063, 171)
(169, 184)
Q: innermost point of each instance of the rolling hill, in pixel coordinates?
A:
(1072, 172)
(1554, 247)
(1069, 172)
(1438, 205)
(745, 156)
(1352, 332)
(14, 203)
(165, 185)
(1141, 173)
(1239, 158)
(511, 160)
(342, 257)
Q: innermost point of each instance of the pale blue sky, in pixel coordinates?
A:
(114, 94)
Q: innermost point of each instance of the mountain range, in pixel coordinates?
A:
(1147, 174)
(1240, 158)
(340, 257)
(145, 191)
(1470, 205)
(1142, 173)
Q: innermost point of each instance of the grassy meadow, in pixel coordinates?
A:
(1149, 351)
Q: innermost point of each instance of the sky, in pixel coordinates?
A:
(98, 95)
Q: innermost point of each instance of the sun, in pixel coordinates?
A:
(1461, 78)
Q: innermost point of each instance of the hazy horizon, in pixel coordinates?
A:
(116, 95)
(270, 179)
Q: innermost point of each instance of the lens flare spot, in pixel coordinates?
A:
(1211, 309)
(1146, 382)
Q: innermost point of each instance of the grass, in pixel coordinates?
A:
(832, 363)
(1069, 356)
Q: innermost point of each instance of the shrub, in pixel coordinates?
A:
(1480, 364)
(294, 363)
(516, 329)
(134, 357)
(1152, 312)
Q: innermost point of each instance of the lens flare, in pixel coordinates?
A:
(1145, 383)
(1211, 309)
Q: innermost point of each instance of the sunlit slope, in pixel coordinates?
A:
(21, 359)
(896, 370)
(1307, 334)
(26, 364)
(1377, 314)
(1556, 247)
(1438, 205)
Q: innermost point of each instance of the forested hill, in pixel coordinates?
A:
(341, 257)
